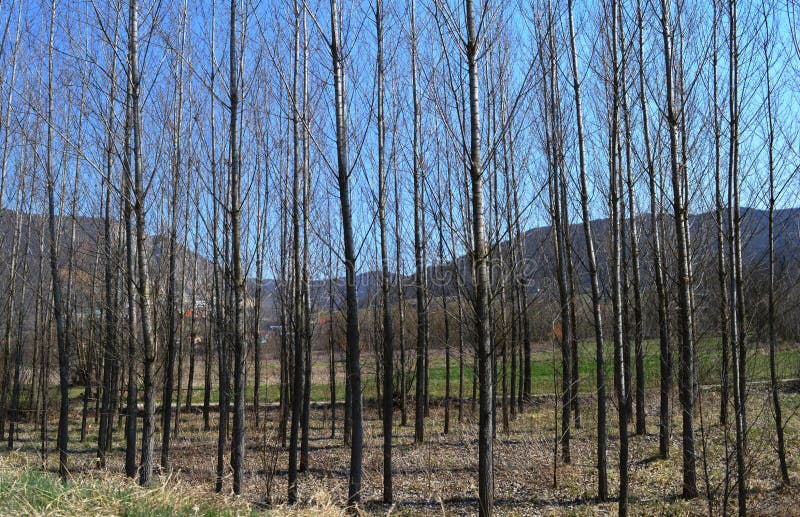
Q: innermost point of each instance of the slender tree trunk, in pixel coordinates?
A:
(343, 177)
(239, 343)
(62, 336)
(284, 318)
(615, 189)
(722, 272)
(481, 300)
(208, 358)
(734, 243)
(401, 299)
(193, 321)
(459, 285)
(172, 331)
(331, 341)
(306, 286)
(665, 361)
(3, 171)
(510, 184)
(90, 359)
(259, 259)
(602, 476)
(684, 283)
(14, 419)
(46, 339)
(142, 284)
(628, 182)
(422, 315)
(181, 312)
(110, 351)
(13, 411)
(297, 335)
(573, 318)
(132, 409)
(221, 282)
(553, 153)
(773, 338)
(388, 330)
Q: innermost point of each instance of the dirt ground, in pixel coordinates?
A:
(440, 476)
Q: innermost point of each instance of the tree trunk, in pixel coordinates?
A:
(297, 337)
(633, 239)
(343, 178)
(110, 351)
(481, 300)
(306, 285)
(620, 365)
(172, 333)
(773, 338)
(686, 379)
(239, 343)
(297, 294)
(388, 330)
(658, 271)
(722, 273)
(401, 299)
(143, 284)
(13, 411)
(62, 337)
(602, 476)
(132, 410)
(422, 314)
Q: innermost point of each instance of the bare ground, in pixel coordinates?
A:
(440, 476)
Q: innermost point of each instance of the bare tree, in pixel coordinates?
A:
(615, 189)
(388, 330)
(172, 328)
(602, 477)
(110, 349)
(343, 178)
(677, 172)
(239, 343)
(132, 355)
(773, 338)
(479, 259)
(62, 337)
(419, 262)
(297, 335)
(665, 361)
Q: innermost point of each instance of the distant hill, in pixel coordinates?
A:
(89, 256)
(538, 256)
(539, 263)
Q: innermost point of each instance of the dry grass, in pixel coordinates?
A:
(435, 478)
(27, 490)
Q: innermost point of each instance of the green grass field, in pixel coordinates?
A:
(544, 365)
(545, 371)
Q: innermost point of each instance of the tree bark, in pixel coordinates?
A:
(297, 334)
(239, 343)
(686, 379)
(62, 337)
(388, 330)
(773, 337)
(602, 476)
(481, 300)
(143, 284)
(422, 314)
(172, 323)
(343, 178)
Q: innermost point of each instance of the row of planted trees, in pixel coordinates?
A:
(147, 198)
